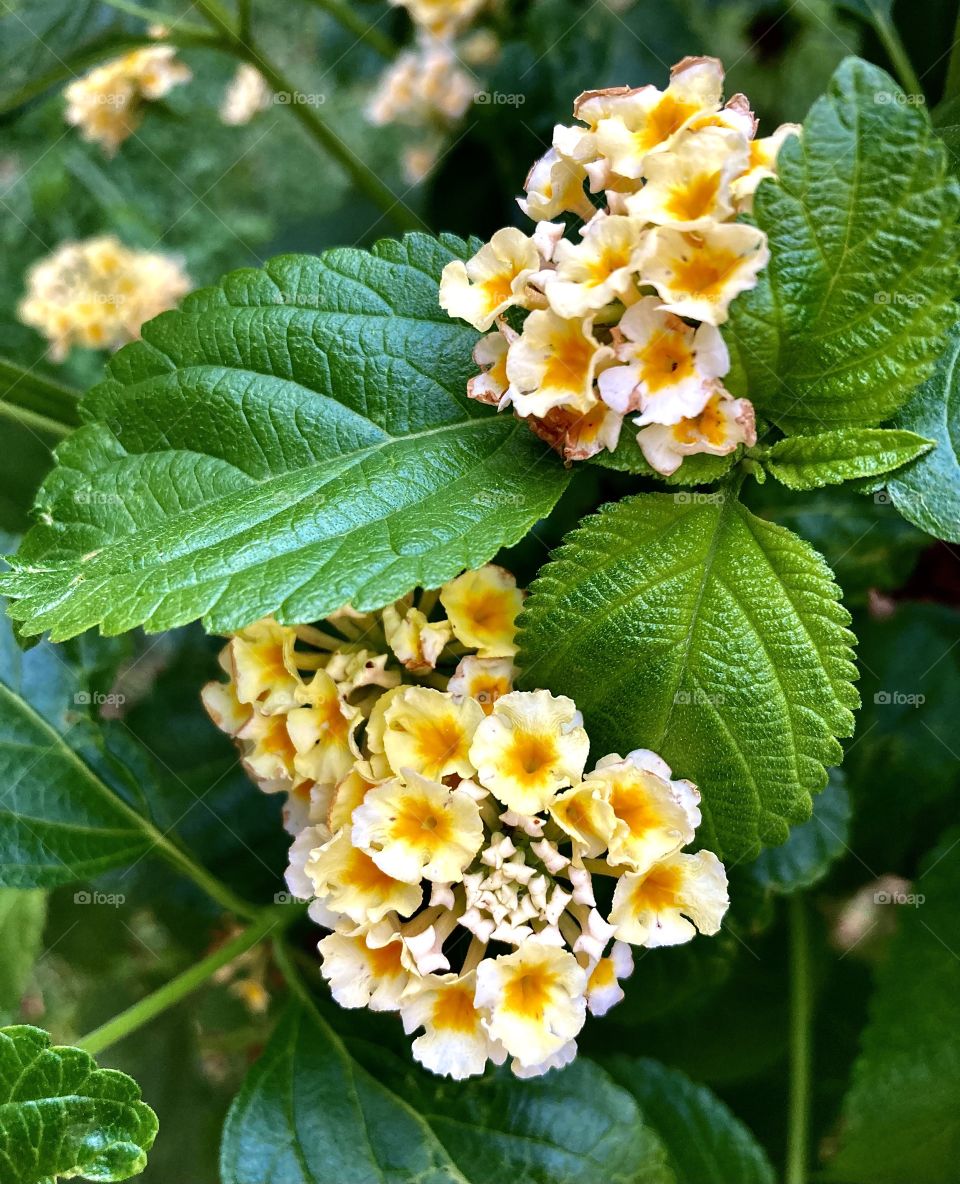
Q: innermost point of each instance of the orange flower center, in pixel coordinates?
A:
(669, 115)
(529, 993)
(708, 425)
(657, 890)
(569, 362)
(453, 1010)
(666, 359)
(530, 757)
(694, 200)
(705, 272)
(419, 823)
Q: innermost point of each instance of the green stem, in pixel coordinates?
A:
(801, 1012)
(355, 23)
(268, 921)
(214, 888)
(952, 87)
(893, 45)
(244, 20)
(303, 108)
(39, 424)
(52, 403)
(154, 17)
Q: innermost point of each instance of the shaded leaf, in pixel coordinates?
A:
(22, 916)
(813, 846)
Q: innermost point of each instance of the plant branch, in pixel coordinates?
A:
(269, 921)
(303, 108)
(37, 401)
(801, 1015)
(368, 34)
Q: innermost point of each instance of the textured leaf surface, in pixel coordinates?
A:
(813, 846)
(705, 1143)
(69, 807)
(807, 462)
(294, 439)
(22, 916)
(309, 1113)
(62, 1116)
(849, 316)
(901, 1120)
(689, 626)
(928, 492)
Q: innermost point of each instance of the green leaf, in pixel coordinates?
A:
(813, 846)
(900, 1118)
(830, 458)
(292, 440)
(695, 470)
(928, 492)
(22, 916)
(309, 1113)
(705, 1143)
(72, 804)
(684, 624)
(62, 1116)
(849, 316)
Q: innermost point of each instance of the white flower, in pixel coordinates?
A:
(483, 606)
(425, 730)
(417, 829)
(310, 839)
(762, 163)
(349, 882)
(603, 987)
(586, 815)
(667, 903)
(455, 1042)
(484, 679)
(535, 999)
(721, 427)
(698, 274)
(417, 642)
(689, 186)
(599, 269)
(490, 354)
(554, 186)
(529, 747)
(494, 280)
(669, 364)
(361, 975)
(553, 364)
(247, 94)
(323, 731)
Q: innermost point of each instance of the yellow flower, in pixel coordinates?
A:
(666, 904)
(441, 18)
(347, 795)
(494, 280)
(455, 1042)
(553, 364)
(721, 427)
(322, 732)
(698, 274)
(414, 829)
(529, 747)
(264, 666)
(603, 986)
(653, 816)
(483, 606)
(554, 186)
(669, 365)
(762, 163)
(648, 120)
(423, 86)
(577, 435)
(483, 679)
(417, 642)
(586, 815)
(363, 975)
(224, 708)
(425, 730)
(599, 269)
(348, 881)
(490, 354)
(689, 186)
(268, 751)
(535, 999)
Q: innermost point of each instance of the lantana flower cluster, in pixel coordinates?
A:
(107, 104)
(430, 86)
(625, 320)
(478, 873)
(97, 293)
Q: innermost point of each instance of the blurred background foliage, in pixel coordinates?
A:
(225, 197)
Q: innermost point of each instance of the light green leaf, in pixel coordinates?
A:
(292, 440)
(900, 1119)
(830, 458)
(705, 1143)
(928, 492)
(72, 804)
(309, 1113)
(849, 316)
(62, 1116)
(813, 846)
(22, 916)
(684, 624)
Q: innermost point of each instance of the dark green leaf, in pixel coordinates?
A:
(928, 492)
(22, 916)
(830, 458)
(849, 316)
(309, 1113)
(813, 846)
(705, 1143)
(684, 624)
(901, 1120)
(62, 1116)
(295, 439)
